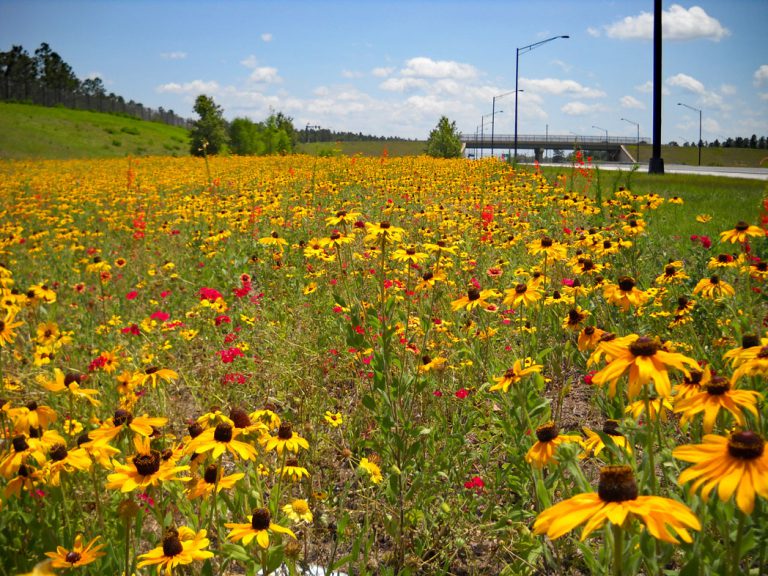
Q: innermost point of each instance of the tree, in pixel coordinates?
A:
(209, 133)
(245, 137)
(53, 72)
(444, 141)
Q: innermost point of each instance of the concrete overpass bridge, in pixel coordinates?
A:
(619, 148)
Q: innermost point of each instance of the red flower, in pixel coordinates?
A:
(160, 315)
(462, 393)
(131, 295)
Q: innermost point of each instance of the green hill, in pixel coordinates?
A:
(28, 131)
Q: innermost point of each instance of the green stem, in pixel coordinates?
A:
(618, 549)
(734, 564)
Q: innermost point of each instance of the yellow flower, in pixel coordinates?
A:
(384, 231)
(260, 526)
(298, 510)
(285, 440)
(179, 547)
(737, 465)
(334, 419)
(147, 468)
(617, 501)
(222, 438)
(646, 361)
(212, 479)
(713, 288)
(594, 443)
(292, 470)
(522, 294)
(7, 326)
(79, 555)
(624, 294)
(140, 425)
(473, 299)
(718, 394)
(542, 453)
(741, 233)
(514, 375)
(372, 469)
(703, 218)
(153, 373)
(69, 382)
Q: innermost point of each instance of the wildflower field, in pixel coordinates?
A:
(377, 366)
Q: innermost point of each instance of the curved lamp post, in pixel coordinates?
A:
(482, 128)
(699, 111)
(604, 130)
(637, 124)
(523, 50)
(493, 113)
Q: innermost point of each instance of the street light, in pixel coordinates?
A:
(699, 111)
(525, 49)
(493, 114)
(604, 130)
(482, 128)
(637, 124)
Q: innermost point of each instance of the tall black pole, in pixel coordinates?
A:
(517, 62)
(493, 122)
(700, 138)
(656, 163)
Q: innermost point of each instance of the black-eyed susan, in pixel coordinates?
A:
(333, 418)
(44, 568)
(633, 226)
(514, 374)
(153, 373)
(146, 468)
(292, 470)
(428, 363)
(741, 233)
(410, 255)
(80, 555)
(286, 439)
(342, 217)
(179, 547)
(758, 270)
(625, 294)
(521, 295)
(222, 438)
(63, 460)
(69, 382)
(693, 382)
(474, 298)
(713, 287)
(298, 511)
(21, 452)
(646, 360)
(673, 274)
(213, 479)
(737, 464)
(589, 338)
(617, 500)
(594, 444)
(383, 232)
(751, 344)
(371, 469)
(26, 479)
(546, 246)
(575, 318)
(753, 363)
(273, 239)
(548, 438)
(32, 415)
(259, 528)
(658, 408)
(123, 419)
(716, 395)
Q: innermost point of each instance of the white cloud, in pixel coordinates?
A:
(728, 89)
(594, 32)
(382, 71)
(761, 75)
(631, 102)
(266, 37)
(688, 83)
(764, 96)
(193, 87)
(265, 75)
(403, 84)
(422, 67)
(559, 87)
(250, 61)
(580, 108)
(178, 55)
(677, 24)
(565, 67)
(647, 88)
(351, 74)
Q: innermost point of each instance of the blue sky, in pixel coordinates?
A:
(393, 67)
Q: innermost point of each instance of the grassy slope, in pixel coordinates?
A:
(38, 132)
(709, 156)
(369, 148)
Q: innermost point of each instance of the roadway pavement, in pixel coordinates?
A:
(728, 172)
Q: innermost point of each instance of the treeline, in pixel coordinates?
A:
(753, 142)
(44, 78)
(317, 134)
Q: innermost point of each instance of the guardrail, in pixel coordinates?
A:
(550, 139)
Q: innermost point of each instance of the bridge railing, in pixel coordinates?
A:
(549, 140)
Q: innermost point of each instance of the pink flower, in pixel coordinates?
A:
(209, 294)
(462, 393)
(228, 356)
(437, 394)
(475, 483)
(160, 315)
(131, 295)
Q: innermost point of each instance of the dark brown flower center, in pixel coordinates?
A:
(521, 289)
(718, 386)
(724, 258)
(633, 223)
(171, 544)
(670, 270)
(611, 427)
(147, 464)
(151, 370)
(763, 352)
(32, 406)
(682, 302)
(285, 432)
(275, 235)
(644, 346)
(589, 330)
(587, 265)
(341, 213)
(626, 283)
(574, 317)
(240, 418)
(556, 295)
(694, 378)
(473, 294)
(427, 276)
(762, 266)
(293, 462)
(72, 378)
(607, 244)
(547, 432)
(335, 235)
(426, 360)
(741, 226)
(122, 417)
(385, 225)
(72, 557)
(546, 242)
(715, 279)
(58, 452)
(211, 473)
(223, 432)
(410, 251)
(195, 429)
(617, 484)
(746, 445)
(19, 443)
(260, 519)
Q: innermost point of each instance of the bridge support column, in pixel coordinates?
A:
(538, 153)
